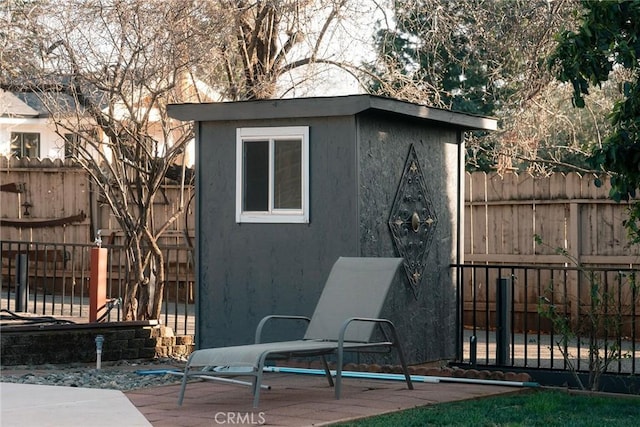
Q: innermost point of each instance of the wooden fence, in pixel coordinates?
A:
(54, 202)
(577, 225)
(504, 213)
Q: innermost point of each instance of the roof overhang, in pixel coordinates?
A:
(325, 107)
(15, 121)
(12, 106)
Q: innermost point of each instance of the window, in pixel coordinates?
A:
(75, 143)
(71, 141)
(272, 182)
(25, 144)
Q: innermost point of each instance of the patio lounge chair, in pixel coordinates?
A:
(343, 320)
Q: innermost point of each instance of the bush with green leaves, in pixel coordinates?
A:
(600, 321)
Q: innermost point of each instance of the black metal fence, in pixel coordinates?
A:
(549, 317)
(55, 281)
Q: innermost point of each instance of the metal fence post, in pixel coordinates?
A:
(473, 351)
(22, 283)
(503, 321)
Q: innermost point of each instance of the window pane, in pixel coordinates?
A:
(32, 145)
(288, 174)
(256, 176)
(16, 144)
(69, 141)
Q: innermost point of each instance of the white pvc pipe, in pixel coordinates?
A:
(400, 377)
(353, 374)
(489, 382)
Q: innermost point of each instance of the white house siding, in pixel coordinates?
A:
(51, 145)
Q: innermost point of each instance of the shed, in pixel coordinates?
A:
(285, 187)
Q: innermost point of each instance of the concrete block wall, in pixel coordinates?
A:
(59, 344)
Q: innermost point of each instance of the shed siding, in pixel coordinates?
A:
(426, 323)
(248, 271)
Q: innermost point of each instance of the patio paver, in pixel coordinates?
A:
(295, 400)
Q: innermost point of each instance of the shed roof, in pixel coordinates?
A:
(325, 107)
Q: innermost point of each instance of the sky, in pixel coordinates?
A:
(352, 42)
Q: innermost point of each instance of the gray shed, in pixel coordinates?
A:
(285, 187)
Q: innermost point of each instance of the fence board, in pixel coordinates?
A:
(510, 231)
(53, 190)
(57, 189)
(524, 214)
(478, 227)
(567, 211)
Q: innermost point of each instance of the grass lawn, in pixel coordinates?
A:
(535, 408)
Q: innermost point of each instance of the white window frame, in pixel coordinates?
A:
(271, 134)
(20, 137)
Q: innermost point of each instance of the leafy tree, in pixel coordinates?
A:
(608, 41)
(476, 56)
(488, 57)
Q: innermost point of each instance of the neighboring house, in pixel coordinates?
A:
(37, 190)
(27, 129)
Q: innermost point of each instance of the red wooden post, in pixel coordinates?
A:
(98, 283)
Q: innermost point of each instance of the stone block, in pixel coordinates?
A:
(145, 332)
(131, 353)
(15, 350)
(124, 334)
(150, 342)
(184, 340)
(161, 351)
(147, 353)
(112, 355)
(137, 343)
(167, 341)
(161, 331)
(180, 350)
(119, 344)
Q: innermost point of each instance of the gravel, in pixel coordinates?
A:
(121, 375)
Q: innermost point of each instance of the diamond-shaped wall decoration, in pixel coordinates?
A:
(413, 220)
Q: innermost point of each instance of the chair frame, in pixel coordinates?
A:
(301, 348)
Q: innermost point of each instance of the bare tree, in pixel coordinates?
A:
(267, 40)
(106, 69)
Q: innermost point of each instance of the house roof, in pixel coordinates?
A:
(30, 104)
(12, 106)
(325, 107)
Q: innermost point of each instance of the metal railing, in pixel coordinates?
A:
(549, 317)
(57, 282)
